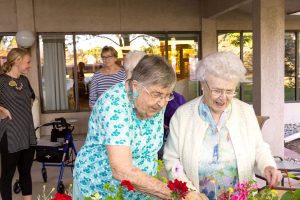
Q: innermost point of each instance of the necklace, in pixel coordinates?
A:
(13, 83)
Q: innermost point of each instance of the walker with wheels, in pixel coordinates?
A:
(59, 152)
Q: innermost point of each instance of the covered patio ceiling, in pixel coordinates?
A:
(219, 7)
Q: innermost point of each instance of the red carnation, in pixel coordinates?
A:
(179, 188)
(59, 196)
(128, 185)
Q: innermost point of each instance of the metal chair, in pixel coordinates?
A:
(261, 120)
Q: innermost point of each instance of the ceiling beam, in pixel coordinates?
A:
(214, 8)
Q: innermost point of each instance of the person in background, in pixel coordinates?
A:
(131, 60)
(81, 67)
(17, 136)
(125, 132)
(169, 112)
(81, 85)
(216, 138)
(110, 74)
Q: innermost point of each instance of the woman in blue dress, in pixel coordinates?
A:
(125, 133)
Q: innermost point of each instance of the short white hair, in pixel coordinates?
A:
(225, 65)
(131, 60)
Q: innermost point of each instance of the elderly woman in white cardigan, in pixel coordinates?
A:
(216, 138)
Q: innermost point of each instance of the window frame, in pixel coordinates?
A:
(76, 89)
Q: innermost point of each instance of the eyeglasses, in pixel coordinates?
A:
(106, 57)
(219, 92)
(157, 96)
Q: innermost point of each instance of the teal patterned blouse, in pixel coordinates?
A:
(217, 163)
(113, 122)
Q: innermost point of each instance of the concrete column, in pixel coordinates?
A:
(268, 69)
(209, 36)
(26, 21)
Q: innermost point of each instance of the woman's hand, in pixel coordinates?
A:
(120, 160)
(193, 195)
(273, 176)
(4, 113)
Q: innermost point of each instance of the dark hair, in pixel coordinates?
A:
(154, 70)
(12, 56)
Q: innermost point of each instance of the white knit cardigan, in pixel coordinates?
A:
(187, 131)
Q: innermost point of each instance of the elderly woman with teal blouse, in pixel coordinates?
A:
(125, 133)
(215, 138)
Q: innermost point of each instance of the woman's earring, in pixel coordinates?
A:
(135, 95)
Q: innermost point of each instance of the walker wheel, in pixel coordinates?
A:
(61, 188)
(44, 174)
(17, 187)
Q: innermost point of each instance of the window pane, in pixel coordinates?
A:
(183, 56)
(247, 60)
(289, 61)
(89, 47)
(61, 67)
(149, 43)
(57, 72)
(6, 44)
(229, 42)
(88, 50)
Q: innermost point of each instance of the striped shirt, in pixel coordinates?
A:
(101, 82)
(20, 130)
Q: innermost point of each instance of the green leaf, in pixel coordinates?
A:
(297, 194)
(291, 175)
(164, 179)
(287, 196)
(160, 165)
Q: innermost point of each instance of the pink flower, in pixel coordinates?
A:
(177, 169)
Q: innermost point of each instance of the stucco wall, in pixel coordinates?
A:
(116, 15)
(291, 113)
(234, 20)
(8, 22)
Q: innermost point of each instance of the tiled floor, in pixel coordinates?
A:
(53, 172)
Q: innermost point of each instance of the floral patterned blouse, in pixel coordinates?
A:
(217, 166)
(113, 122)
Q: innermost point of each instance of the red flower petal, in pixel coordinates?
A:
(59, 196)
(128, 185)
(178, 187)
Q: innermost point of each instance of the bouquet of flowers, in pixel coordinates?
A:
(249, 190)
(115, 193)
(178, 188)
(57, 196)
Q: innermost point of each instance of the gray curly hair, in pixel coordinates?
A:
(131, 60)
(225, 65)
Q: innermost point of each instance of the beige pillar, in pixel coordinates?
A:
(268, 69)
(26, 21)
(209, 36)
